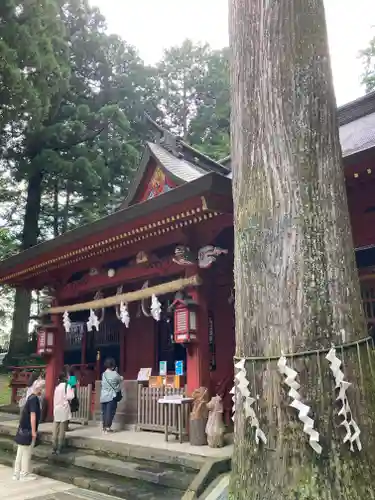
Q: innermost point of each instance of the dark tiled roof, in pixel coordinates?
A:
(178, 167)
(354, 110)
(358, 135)
(189, 153)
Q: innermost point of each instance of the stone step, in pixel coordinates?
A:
(44, 489)
(113, 469)
(178, 461)
(151, 472)
(218, 489)
(129, 489)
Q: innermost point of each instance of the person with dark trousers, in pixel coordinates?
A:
(62, 398)
(72, 383)
(27, 433)
(110, 393)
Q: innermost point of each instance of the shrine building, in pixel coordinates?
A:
(151, 285)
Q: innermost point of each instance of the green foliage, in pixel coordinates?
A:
(74, 146)
(181, 71)
(209, 129)
(31, 48)
(368, 59)
(194, 96)
(8, 245)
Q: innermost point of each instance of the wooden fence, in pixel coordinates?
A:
(151, 416)
(83, 415)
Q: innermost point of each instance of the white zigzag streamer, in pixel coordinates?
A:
(155, 308)
(303, 410)
(93, 321)
(66, 321)
(124, 314)
(351, 427)
(241, 389)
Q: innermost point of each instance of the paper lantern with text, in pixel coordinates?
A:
(185, 321)
(46, 342)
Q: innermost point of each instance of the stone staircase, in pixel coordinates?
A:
(96, 470)
(118, 469)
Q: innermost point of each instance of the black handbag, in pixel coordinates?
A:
(118, 396)
(74, 403)
(24, 437)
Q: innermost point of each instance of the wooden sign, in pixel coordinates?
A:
(169, 381)
(155, 382)
(144, 374)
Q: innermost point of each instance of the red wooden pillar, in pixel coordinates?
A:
(84, 348)
(97, 366)
(55, 363)
(197, 353)
(122, 350)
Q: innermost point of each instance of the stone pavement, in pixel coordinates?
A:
(43, 489)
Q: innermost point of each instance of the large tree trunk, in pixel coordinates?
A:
(297, 286)
(22, 303)
(65, 217)
(56, 209)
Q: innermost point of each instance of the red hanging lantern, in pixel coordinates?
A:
(185, 321)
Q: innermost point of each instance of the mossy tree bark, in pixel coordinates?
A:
(296, 282)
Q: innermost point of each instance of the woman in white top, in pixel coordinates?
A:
(61, 412)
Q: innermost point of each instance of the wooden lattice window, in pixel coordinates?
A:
(368, 300)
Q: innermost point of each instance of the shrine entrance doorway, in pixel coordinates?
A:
(167, 349)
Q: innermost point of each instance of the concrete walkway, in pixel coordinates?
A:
(43, 489)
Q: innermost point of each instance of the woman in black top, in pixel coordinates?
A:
(27, 433)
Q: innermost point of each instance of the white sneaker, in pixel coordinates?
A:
(28, 477)
(16, 476)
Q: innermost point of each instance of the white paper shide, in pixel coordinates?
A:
(93, 321)
(155, 308)
(241, 390)
(351, 427)
(66, 322)
(303, 410)
(124, 314)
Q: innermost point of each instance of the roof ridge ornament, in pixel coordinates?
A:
(169, 142)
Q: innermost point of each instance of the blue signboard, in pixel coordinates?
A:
(179, 368)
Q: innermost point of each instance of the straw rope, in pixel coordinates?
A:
(347, 345)
(163, 289)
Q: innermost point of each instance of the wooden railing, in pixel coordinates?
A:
(83, 415)
(151, 416)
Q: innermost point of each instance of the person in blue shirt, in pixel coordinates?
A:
(110, 393)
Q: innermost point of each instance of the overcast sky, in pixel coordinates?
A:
(153, 25)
